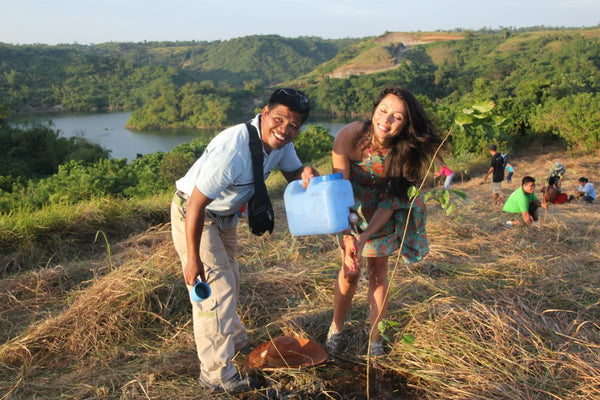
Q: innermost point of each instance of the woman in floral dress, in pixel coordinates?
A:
(382, 158)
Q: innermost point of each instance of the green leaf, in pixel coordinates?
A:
(484, 107)
(392, 324)
(462, 119)
(413, 192)
(498, 120)
(408, 338)
(428, 195)
(445, 197)
(384, 325)
(459, 193)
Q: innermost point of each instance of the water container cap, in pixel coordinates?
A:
(330, 177)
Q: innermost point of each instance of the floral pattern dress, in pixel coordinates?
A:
(368, 198)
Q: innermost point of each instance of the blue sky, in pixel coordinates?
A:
(98, 21)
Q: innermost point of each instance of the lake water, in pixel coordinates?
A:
(108, 130)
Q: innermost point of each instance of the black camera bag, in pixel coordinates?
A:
(260, 210)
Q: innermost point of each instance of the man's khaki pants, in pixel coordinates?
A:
(217, 327)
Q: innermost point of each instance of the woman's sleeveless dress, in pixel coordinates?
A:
(368, 198)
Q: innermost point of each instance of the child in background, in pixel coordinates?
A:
(510, 170)
(445, 171)
(551, 192)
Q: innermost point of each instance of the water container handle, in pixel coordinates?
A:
(325, 178)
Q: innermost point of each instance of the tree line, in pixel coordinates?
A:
(39, 168)
(544, 82)
(523, 85)
(122, 76)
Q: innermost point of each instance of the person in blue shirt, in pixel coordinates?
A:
(585, 191)
(204, 217)
(510, 170)
(524, 202)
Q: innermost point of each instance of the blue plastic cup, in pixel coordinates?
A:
(200, 291)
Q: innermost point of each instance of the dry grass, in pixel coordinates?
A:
(496, 312)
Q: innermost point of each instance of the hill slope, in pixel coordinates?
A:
(388, 52)
(115, 74)
(496, 312)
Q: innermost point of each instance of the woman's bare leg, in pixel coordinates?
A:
(376, 296)
(345, 285)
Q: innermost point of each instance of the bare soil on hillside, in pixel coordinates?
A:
(411, 39)
(399, 42)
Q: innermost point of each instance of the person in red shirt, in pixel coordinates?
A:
(447, 172)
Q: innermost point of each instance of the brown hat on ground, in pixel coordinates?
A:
(286, 352)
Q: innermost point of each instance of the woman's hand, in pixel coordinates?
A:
(363, 238)
(350, 257)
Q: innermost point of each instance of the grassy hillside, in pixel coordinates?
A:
(377, 54)
(496, 312)
(112, 76)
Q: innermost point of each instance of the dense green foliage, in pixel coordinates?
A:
(477, 127)
(125, 75)
(73, 77)
(574, 118)
(345, 55)
(77, 176)
(77, 181)
(490, 86)
(313, 143)
(343, 97)
(524, 75)
(37, 152)
(266, 60)
(192, 105)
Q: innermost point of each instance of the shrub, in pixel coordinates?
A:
(313, 143)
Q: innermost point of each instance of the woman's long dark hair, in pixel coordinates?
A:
(411, 149)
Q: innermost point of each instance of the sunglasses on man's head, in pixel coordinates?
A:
(294, 93)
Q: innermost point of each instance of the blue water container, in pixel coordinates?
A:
(320, 209)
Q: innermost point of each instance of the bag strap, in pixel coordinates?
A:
(256, 149)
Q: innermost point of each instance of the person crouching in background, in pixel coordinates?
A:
(585, 191)
(551, 192)
(523, 201)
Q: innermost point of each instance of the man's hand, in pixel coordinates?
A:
(192, 270)
(307, 173)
